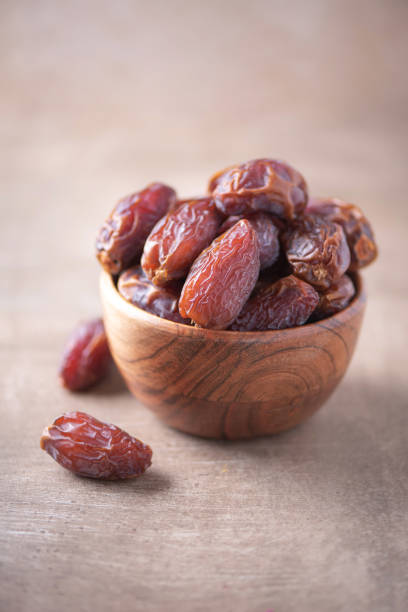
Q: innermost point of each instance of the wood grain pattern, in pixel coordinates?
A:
(222, 384)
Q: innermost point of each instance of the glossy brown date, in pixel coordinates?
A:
(222, 278)
(334, 299)
(286, 303)
(317, 251)
(178, 238)
(86, 358)
(267, 233)
(121, 238)
(179, 203)
(91, 448)
(359, 234)
(137, 289)
(261, 184)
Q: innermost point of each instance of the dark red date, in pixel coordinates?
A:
(334, 299)
(268, 238)
(261, 184)
(121, 238)
(178, 238)
(137, 289)
(91, 448)
(317, 251)
(359, 234)
(222, 278)
(86, 357)
(267, 233)
(179, 203)
(286, 303)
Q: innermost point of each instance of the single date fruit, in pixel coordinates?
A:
(137, 289)
(261, 184)
(317, 251)
(86, 358)
(267, 233)
(121, 238)
(91, 448)
(359, 234)
(335, 298)
(286, 303)
(222, 278)
(178, 238)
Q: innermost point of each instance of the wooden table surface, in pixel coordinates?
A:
(99, 98)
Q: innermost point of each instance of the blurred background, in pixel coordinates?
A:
(98, 98)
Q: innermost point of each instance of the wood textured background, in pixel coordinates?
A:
(97, 99)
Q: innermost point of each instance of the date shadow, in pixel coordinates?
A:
(152, 482)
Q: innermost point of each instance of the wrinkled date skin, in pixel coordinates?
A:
(359, 234)
(222, 278)
(179, 203)
(178, 238)
(267, 233)
(91, 448)
(261, 184)
(317, 250)
(86, 358)
(286, 303)
(137, 289)
(121, 238)
(334, 299)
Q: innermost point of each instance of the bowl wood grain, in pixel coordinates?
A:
(223, 384)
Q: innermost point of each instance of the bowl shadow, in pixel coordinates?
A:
(113, 384)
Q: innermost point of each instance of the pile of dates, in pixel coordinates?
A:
(254, 254)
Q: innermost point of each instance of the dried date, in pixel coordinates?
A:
(286, 303)
(121, 238)
(91, 448)
(267, 233)
(86, 358)
(179, 203)
(222, 278)
(261, 184)
(334, 299)
(317, 251)
(178, 238)
(137, 289)
(359, 234)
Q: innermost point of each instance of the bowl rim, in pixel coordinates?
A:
(108, 288)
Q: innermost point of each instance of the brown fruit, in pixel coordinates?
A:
(267, 233)
(91, 448)
(317, 251)
(335, 298)
(359, 234)
(286, 303)
(261, 184)
(222, 278)
(86, 357)
(121, 238)
(178, 238)
(137, 289)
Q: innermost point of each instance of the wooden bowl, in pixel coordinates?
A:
(224, 384)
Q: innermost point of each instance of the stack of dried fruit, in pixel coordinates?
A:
(254, 254)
